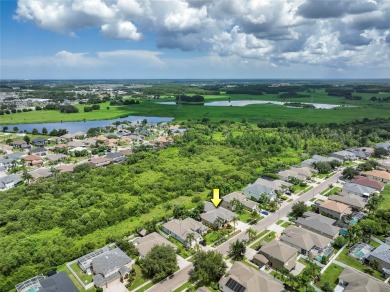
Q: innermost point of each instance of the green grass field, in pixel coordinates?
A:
(252, 113)
(385, 204)
(331, 276)
(139, 278)
(85, 278)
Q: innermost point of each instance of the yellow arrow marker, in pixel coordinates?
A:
(216, 200)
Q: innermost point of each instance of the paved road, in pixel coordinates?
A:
(273, 218)
(178, 279)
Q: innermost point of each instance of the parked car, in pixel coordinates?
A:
(265, 213)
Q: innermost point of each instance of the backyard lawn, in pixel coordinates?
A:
(85, 278)
(331, 276)
(139, 278)
(346, 259)
(385, 204)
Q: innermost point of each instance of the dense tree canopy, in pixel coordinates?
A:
(160, 262)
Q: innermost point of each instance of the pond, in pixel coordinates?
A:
(73, 127)
(248, 102)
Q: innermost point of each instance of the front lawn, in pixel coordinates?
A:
(385, 204)
(330, 275)
(279, 222)
(287, 224)
(245, 216)
(350, 261)
(215, 235)
(85, 278)
(267, 238)
(183, 287)
(139, 278)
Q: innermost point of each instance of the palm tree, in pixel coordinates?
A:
(27, 177)
(254, 215)
(218, 223)
(189, 238)
(234, 221)
(251, 233)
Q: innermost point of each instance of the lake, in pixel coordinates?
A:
(73, 127)
(248, 102)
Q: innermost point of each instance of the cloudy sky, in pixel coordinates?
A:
(62, 39)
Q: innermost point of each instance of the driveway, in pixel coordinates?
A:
(115, 286)
(182, 263)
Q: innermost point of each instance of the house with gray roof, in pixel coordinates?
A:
(59, 282)
(229, 199)
(211, 214)
(358, 190)
(116, 157)
(41, 173)
(241, 278)
(384, 164)
(275, 184)
(287, 174)
(9, 181)
(146, 243)
(382, 255)
(360, 153)
(39, 142)
(16, 156)
(384, 145)
(277, 254)
(41, 151)
(318, 158)
(55, 157)
(344, 155)
(355, 281)
(256, 190)
(179, 229)
(5, 163)
(319, 224)
(110, 266)
(304, 240)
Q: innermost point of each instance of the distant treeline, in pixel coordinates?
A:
(120, 101)
(66, 108)
(343, 92)
(187, 98)
(292, 95)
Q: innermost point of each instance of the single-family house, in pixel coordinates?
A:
(145, 244)
(318, 158)
(304, 240)
(110, 266)
(277, 254)
(242, 278)
(41, 173)
(384, 164)
(228, 201)
(276, 184)
(101, 138)
(80, 135)
(5, 163)
(67, 137)
(384, 145)
(20, 144)
(319, 224)
(305, 171)
(344, 155)
(55, 157)
(16, 156)
(334, 209)
(126, 152)
(100, 161)
(39, 142)
(382, 255)
(368, 182)
(32, 160)
(9, 181)
(116, 157)
(359, 153)
(358, 190)
(59, 282)
(41, 151)
(66, 168)
(211, 215)
(75, 144)
(179, 229)
(354, 281)
(378, 175)
(353, 201)
(288, 174)
(256, 190)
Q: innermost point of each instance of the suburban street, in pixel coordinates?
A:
(168, 284)
(274, 217)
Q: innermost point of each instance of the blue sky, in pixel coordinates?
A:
(64, 39)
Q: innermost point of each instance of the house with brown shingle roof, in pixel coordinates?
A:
(278, 255)
(367, 182)
(100, 161)
(350, 200)
(334, 209)
(378, 175)
(179, 229)
(146, 243)
(242, 278)
(32, 160)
